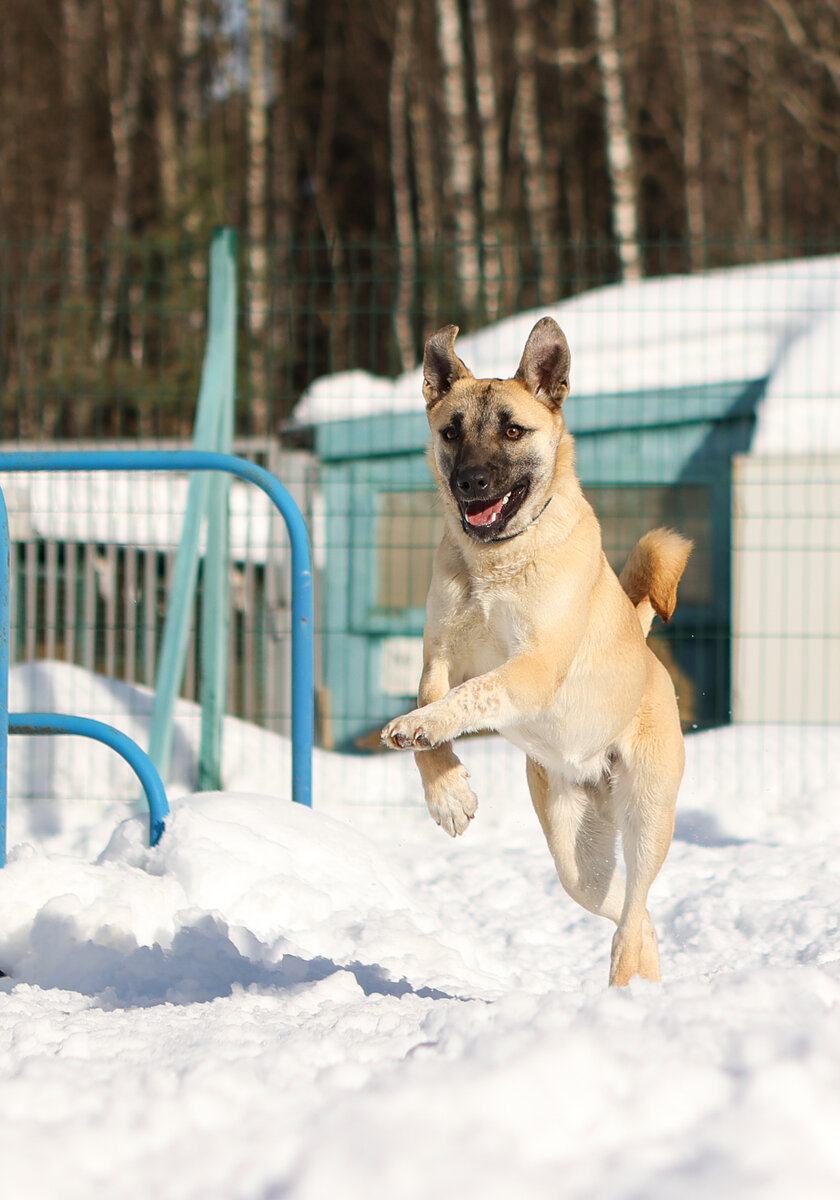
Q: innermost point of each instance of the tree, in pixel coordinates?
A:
(459, 181)
(620, 157)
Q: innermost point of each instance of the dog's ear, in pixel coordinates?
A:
(441, 365)
(544, 368)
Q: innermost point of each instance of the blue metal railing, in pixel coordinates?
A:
(303, 712)
(137, 759)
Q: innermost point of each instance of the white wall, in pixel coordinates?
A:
(786, 588)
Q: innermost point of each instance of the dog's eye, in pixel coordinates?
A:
(449, 434)
(513, 432)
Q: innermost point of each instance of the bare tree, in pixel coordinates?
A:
(620, 159)
(692, 132)
(460, 172)
(426, 176)
(164, 67)
(190, 105)
(527, 124)
(75, 20)
(257, 192)
(123, 55)
(401, 184)
(490, 142)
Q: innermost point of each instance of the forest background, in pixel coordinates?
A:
(388, 164)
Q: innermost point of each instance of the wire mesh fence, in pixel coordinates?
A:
(673, 403)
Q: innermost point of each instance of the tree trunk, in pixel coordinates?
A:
(527, 122)
(620, 162)
(490, 135)
(317, 157)
(401, 185)
(426, 183)
(164, 65)
(692, 133)
(460, 174)
(74, 207)
(123, 72)
(257, 189)
(190, 182)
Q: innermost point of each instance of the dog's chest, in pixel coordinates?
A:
(494, 632)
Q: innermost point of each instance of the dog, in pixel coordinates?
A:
(529, 632)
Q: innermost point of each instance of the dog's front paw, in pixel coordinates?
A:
(452, 801)
(415, 731)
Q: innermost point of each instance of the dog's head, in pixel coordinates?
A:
(495, 441)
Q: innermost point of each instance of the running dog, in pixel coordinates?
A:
(530, 632)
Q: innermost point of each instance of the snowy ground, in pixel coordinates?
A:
(342, 1002)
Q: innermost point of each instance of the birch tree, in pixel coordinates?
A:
(619, 146)
(460, 170)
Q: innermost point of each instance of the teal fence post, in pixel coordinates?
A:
(216, 379)
(216, 574)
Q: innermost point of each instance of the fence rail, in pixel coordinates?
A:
(88, 592)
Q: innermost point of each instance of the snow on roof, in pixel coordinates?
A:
(776, 321)
(142, 509)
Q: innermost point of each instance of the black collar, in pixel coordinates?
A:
(508, 537)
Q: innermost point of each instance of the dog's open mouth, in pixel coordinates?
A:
(488, 517)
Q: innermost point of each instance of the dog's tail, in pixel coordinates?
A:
(652, 572)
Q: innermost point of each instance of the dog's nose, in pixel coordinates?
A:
(473, 482)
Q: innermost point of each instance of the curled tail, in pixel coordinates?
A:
(652, 572)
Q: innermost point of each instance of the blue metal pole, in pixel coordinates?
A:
(215, 623)
(5, 635)
(303, 714)
(137, 759)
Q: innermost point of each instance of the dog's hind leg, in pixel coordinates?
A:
(645, 785)
(578, 826)
(646, 806)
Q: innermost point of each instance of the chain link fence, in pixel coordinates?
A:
(111, 351)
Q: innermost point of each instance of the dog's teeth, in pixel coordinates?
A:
(506, 498)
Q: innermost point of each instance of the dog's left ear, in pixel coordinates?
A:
(441, 365)
(544, 368)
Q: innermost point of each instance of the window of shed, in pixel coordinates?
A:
(408, 529)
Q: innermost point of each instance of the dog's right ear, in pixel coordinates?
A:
(441, 365)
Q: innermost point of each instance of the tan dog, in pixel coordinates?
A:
(530, 633)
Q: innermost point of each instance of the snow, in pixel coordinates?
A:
(777, 321)
(344, 1002)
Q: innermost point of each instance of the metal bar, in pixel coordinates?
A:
(137, 759)
(51, 599)
(109, 577)
(215, 579)
(130, 615)
(90, 596)
(70, 557)
(216, 376)
(5, 633)
(302, 598)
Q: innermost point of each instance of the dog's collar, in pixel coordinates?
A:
(508, 537)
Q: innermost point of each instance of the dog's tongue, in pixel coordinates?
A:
(478, 513)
